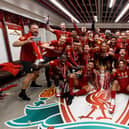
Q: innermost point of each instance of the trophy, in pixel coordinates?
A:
(37, 51)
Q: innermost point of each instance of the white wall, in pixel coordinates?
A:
(42, 34)
(50, 36)
(46, 36)
(3, 52)
(30, 9)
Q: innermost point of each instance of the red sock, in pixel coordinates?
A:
(8, 87)
(80, 92)
(113, 94)
(71, 84)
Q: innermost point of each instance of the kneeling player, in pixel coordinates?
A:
(58, 70)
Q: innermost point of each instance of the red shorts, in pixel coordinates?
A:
(123, 91)
(123, 88)
(82, 84)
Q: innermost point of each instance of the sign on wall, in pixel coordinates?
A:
(14, 32)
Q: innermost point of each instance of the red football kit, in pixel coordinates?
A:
(59, 33)
(58, 51)
(123, 78)
(71, 56)
(56, 65)
(27, 51)
(118, 57)
(83, 82)
(85, 57)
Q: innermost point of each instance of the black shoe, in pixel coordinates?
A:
(49, 84)
(65, 95)
(23, 96)
(69, 100)
(35, 85)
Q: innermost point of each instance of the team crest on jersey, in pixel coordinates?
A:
(23, 38)
(88, 111)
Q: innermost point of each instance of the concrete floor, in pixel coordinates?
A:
(12, 107)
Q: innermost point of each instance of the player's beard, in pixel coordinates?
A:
(63, 29)
(34, 33)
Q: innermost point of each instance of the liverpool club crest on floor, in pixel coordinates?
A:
(89, 111)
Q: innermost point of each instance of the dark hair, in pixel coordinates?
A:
(114, 37)
(96, 34)
(76, 40)
(117, 30)
(123, 32)
(33, 24)
(122, 61)
(122, 48)
(104, 42)
(91, 61)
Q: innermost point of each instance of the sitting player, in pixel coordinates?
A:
(120, 83)
(58, 70)
(80, 80)
(123, 55)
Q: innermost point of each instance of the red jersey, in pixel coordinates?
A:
(122, 77)
(56, 65)
(122, 44)
(102, 35)
(58, 51)
(71, 55)
(27, 51)
(118, 57)
(86, 75)
(84, 42)
(85, 58)
(59, 33)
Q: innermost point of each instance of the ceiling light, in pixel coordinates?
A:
(64, 10)
(122, 12)
(111, 3)
(95, 18)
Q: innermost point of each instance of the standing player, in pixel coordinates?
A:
(28, 57)
(53, 50)
(60, 32)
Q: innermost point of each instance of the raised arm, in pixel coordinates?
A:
(75, 27)
(50, 29)
(47, 46)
